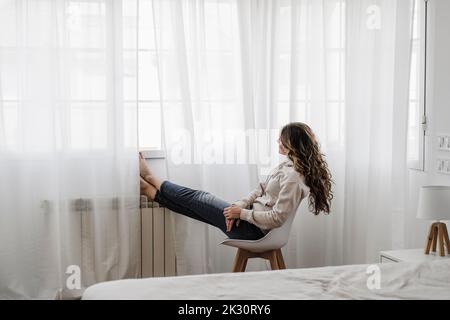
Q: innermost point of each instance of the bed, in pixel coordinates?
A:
(405, 280)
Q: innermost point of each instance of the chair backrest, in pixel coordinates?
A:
(278, 237)
(274, 239)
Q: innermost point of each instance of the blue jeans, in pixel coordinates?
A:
(204, 207)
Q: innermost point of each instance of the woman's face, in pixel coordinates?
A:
(281, 149)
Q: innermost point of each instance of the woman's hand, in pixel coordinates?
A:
(233, 212)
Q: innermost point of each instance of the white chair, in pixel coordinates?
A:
(268, 247)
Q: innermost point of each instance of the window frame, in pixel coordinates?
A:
(421, 98)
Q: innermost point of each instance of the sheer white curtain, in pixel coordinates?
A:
(68, 145)
(231, 73)
(378, 54)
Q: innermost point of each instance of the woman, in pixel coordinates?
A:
(304, 173)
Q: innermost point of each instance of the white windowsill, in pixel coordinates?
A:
(154, 154)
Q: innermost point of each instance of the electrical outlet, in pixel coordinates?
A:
(443, 142)
(440, 165)
(443, 166)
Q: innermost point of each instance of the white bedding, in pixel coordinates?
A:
(429, 280)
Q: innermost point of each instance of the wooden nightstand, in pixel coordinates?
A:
(413, 255)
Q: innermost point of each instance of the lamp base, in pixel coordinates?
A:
(438, 233)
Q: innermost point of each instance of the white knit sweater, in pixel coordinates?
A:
(269, 205)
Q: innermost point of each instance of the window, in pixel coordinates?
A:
(417, 89)
(161, 90)
(148, 95)
(219, 50)
(301, 74)
(64, 81)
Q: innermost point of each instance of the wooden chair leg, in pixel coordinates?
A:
(273, 260)
(240, 261)
(280, 259)
(244, 264)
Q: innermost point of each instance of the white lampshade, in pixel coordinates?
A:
(434, 203)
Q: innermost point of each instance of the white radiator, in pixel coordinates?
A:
(157, 249)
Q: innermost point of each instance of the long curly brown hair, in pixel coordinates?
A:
(304, 151)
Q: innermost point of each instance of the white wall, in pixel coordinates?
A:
(438, 105)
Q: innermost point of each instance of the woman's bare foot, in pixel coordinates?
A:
(147, 189)
(145, 173)
(144, 170)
